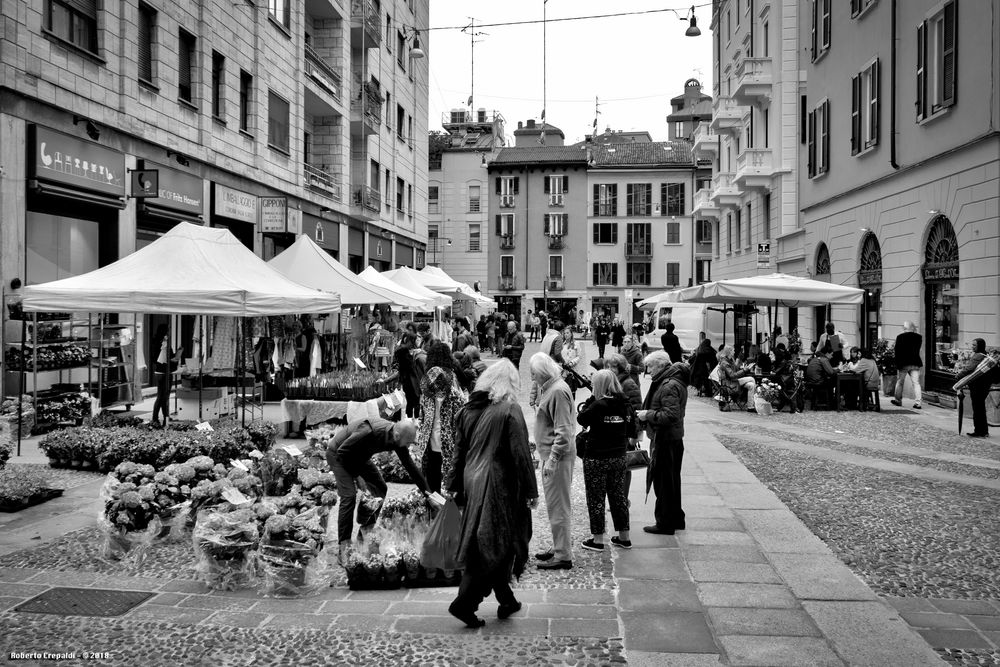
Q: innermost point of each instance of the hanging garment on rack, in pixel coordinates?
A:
(315, 356)
(276, 324)
(224, 342)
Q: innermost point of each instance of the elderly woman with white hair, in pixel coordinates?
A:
(495, 480)
(663, 413)
(554, 429)
(733, 379)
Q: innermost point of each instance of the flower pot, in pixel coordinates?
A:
(888, 385)
(762, 406)
(287, 581)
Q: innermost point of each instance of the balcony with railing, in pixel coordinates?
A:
(557, 199)
(753, 80)
(704, 206)
(366, 23)
(507, 242)
(323, 75)
(366, 109)
(638, 250)
(555, 282)
(727, 115)
(706, 142)
(555, 241)
(506, 283)
(322, 179)
(367, 202)
(753, 168)
(506, 201)
(725, 193)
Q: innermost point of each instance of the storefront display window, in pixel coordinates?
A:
(941, 288)
(60, 247)
(870, 280)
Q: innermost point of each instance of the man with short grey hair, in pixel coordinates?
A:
(907, 352)
(554, 427)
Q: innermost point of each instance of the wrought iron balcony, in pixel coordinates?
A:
(555, 241)
(368, 200)
(639, 250)
(506, 242)
(322, 179)
(366, 15)
(323, 74)
(506, 283)
(554, 283)
(507, 201)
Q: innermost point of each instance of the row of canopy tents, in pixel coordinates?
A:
(196, 270)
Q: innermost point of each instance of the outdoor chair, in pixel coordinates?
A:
(730, 397)
(870, 398)
(819, 396)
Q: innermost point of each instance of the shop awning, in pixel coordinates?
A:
(308, 264)
(190, 270)
(778, 288)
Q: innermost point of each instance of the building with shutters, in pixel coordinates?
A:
(642, 236)
(884, 162)
(458, 187)
(538, 240)
(269, 119)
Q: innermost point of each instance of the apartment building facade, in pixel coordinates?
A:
(538, 242)
(457, 191)
(900, 178)
(642, 234)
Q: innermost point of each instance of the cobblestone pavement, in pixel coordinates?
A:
(928, 546)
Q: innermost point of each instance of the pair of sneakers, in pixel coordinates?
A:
(590, 545)
(898, 403)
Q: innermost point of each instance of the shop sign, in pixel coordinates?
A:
(870, 277)
(235, 204)
(941, 272)
(763, 255)
(177, 190)
(67, 160)
(273, 214)
(145, 183)
(294, 221)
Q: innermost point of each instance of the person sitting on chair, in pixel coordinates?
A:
(735, 381)
(783, 373)
(820, 375)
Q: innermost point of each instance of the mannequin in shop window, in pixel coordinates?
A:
(165, 364)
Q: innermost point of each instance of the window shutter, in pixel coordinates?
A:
(145, 43)
(86, 7)
(517, 180)
(499, 226)
(815, 18)
(664, 198)
(547, 226)
(855, 7)
(875, 81)
(649, 199)
(184, 67)
(613, 198)
(565, 184)
(597, 199)
(826, 24)
(826, 137)
(547, 188)
(614, 233)
(921, 71)
(595, 235)
(628, 197)
(949, 71)
(855, 114)
(811, 150)
(680, 199)
(498, 184)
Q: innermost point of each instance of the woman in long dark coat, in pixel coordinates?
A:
(495, 479)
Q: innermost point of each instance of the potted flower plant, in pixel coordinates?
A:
(292, 538)
(225, 541)
(767, 392)
(885, 359)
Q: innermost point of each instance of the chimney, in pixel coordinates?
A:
(531, 123)
(520, 124)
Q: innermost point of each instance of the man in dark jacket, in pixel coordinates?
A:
(979, 388)
(513, 344)
(349, 456)
(671, 344)
(702, 363)
(908, 362)
(663, 413)
(463, 337)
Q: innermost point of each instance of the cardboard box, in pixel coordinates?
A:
(188, 409)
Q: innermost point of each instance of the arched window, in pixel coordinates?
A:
(870, 280)
(821, 314)
(942, 323)
(822, 262)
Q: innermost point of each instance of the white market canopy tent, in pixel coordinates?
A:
(308, 264)
(407, 277)
(670, 296)
(434, 277)
(190, 270)
(778, 288)
(379, 280)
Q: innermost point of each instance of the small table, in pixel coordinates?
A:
(848, 379)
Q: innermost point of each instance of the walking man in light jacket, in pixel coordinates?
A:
(554, 427)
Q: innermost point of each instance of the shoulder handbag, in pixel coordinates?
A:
(636, 458)
(582, 438)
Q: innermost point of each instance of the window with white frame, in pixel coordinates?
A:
(505, 225)
(474, 191)
(556, 188)
(605, 199)
(673, 274)
(672, 198)
(555, 267)
(859, 7)
(703, 232)
(638, 273)
(507, 188)
(555, 224)
(475, 244)
(507, 266)
(280, 11)
(818, 141)
(703, 271)
(937, 54)
(864, 108)
(820, 29)
(277, 122)
(433, 201)
(729, 232)
(673, 232)
(605, 274)
(639, 199)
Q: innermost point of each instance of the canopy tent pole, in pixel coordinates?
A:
(22, 385)
(170, 372)
(242, 373)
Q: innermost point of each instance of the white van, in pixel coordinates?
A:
(689, 320)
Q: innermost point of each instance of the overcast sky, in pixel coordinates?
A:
(634, 64)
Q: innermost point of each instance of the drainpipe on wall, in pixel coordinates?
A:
(892, 96)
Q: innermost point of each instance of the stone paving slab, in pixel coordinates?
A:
(649, 659)
(985, 622)
(644, 540)
(747, 573)
(760, 596)
(707, 512)
(940, 621)
(910, 604)
(554, 611)
(729, 553)
(710, 523)
(155, 612)
(657, 596)
(820, 577)
(584, 628)
(669, 632)
(308, 621)
(694, 500)
(522, 627)
(354, 607)
(8, 602)
(239, 619)
(750, 651)
(714, 538)
(780, 531)
(870, 633)
(977, 607)
(748, 496)
(659, 564)
(967, 639)
(763, 622)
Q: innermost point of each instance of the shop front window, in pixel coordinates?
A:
(870, 280)
(941, 286)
